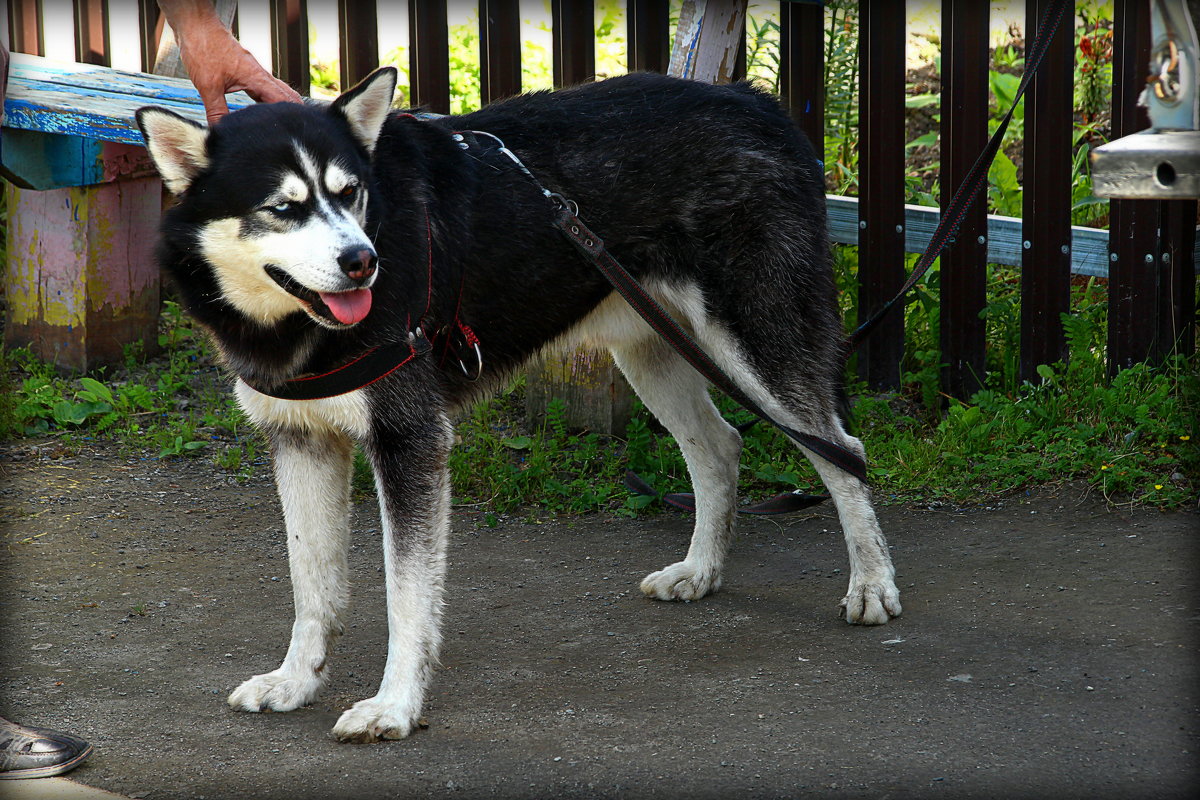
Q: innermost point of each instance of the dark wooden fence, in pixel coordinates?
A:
(1151, 276)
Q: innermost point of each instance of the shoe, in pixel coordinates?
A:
(37, 753)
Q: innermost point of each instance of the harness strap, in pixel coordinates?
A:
(373, 365)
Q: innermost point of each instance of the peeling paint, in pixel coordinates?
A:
(81, 279)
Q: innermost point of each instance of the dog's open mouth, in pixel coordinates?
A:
(341, 308)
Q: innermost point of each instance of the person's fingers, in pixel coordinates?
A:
(267, 89)
(215, 106)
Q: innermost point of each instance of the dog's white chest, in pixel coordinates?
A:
(346, 413)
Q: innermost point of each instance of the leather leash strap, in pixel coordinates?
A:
(591, 246)
(970, 189)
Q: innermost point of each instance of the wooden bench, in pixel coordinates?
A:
(84, 205)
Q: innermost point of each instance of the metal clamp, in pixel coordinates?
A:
(1162, 162)
(1171, 96)
(563, 202)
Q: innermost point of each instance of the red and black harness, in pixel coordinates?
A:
(379, 362)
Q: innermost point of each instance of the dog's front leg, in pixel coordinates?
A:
(413, 482)
(312, 473)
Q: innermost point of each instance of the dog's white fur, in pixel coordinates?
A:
(414, 610)
(313, 463)
(315, 495)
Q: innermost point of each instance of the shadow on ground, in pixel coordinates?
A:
(1047, 648)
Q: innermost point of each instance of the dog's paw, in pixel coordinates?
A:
(275, 691)
(680, 581)
(372, 720)
(871, 602)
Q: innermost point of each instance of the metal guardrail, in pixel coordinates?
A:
(1089, 246)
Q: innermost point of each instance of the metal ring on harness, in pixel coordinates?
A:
(563, 202)
(478, 361)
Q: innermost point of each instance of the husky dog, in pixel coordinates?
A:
(305, 236)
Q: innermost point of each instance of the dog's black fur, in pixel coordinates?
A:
(684, 181)
(708, 194)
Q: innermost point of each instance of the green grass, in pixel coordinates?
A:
(1133, 437)
(171, 405)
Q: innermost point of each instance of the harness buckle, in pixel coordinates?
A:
(561, 202)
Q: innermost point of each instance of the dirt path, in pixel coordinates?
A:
(1048, 648)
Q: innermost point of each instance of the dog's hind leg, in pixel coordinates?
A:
(808, 404)
(312, 473)
(412, 478)
(678, 396)
(872, 597)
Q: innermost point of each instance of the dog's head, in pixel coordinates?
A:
(276, 198)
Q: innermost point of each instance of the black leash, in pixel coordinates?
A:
(966, 194)
(648, 308)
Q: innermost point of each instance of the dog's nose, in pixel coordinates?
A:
(358, 263)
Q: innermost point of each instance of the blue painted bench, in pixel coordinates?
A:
(84, 204)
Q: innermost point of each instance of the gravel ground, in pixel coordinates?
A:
(1047, 648)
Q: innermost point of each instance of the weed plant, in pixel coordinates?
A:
(175, 403)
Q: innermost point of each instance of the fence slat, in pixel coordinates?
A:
(574, 41)
(649, 35)
(91, 32)
(499, 50)
(429, 55)
(707, 40)
(881, 186)
(802, 68)
(1151, 291)
(1177, 297)
(739, 60)
(150, 25)
(25, 27)
(1133, 224)
(289, 43)
(964, 135)
(1046, 203)
(358, 40)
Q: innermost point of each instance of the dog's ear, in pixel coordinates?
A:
(366, 106)
(178, 146)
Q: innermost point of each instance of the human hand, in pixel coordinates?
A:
(216, 62)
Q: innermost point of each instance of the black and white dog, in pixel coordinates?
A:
(305, 236)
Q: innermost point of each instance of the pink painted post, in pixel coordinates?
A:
(81, 277)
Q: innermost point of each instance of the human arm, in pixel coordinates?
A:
(216, 62)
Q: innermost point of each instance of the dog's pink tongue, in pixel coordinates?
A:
(348, 307)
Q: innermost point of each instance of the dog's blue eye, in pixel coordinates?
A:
(281, 208)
